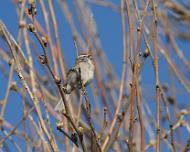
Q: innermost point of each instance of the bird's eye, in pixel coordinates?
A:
(90, 57)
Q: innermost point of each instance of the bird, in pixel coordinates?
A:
(80, 75)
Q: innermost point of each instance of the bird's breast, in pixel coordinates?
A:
(87, 72)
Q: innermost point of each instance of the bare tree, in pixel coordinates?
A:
(118, 112)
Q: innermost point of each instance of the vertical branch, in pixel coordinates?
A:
(173, 94)
(135, 72)
(104, 146)
(140, 113)
(187, 147)
(48, 36)
(130, 37)
(89, 119)
(8, 88)
(169, 119)
(57, 41)
(55, 53)
(155, 23)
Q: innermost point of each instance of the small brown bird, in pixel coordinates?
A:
(80, 75)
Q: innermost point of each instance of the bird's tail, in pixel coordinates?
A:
(60, 106)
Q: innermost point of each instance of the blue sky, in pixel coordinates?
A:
(109, 30)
